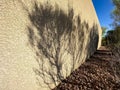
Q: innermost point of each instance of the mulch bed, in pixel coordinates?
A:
(97, 73)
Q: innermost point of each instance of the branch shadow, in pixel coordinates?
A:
(56, 34)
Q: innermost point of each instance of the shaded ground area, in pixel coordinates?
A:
(100, 72)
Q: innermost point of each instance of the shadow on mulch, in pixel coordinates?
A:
(96, 73)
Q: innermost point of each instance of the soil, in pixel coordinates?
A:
(100, 72)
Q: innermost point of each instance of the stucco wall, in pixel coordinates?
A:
(18, 57)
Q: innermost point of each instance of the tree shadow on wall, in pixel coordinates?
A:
(93, 40)
(56, 34)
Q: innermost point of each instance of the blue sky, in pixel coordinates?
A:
(103, 10)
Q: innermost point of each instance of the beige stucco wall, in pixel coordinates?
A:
(17, 58)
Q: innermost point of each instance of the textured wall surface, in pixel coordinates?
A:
(27, 49)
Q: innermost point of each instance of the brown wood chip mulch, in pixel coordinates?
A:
(97, 73)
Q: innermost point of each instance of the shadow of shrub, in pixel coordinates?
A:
(56, 34)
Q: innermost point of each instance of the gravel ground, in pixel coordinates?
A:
(100, 72)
